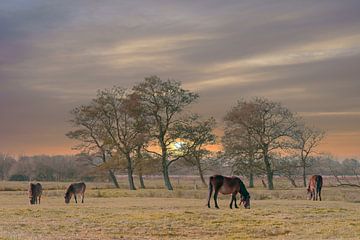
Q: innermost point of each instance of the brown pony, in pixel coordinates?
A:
(35, 191)
(228, 185)
(74, 189)
(314, 188)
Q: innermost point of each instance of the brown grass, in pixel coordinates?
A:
(181, 214)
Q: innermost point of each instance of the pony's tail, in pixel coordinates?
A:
(319, 183)
(210, 190)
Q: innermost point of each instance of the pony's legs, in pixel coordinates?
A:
(39, 199)
(210, 193)
(234, 196)
(75, 198)
(82, 198)
(215, 198)
(319, 194)
(233, 200)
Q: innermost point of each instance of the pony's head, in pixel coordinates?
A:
(245, 199)
(32, 199)
(67, 196)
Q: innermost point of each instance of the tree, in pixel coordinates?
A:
(162, 103)
(352, 167)
(111, 126)
(341, 171)
(288, 167)
(242, 151)
(195, 134)
(121, 118)
(268, 123)
(306, 140)
(6, 162)
(93, 137)
(145, 163)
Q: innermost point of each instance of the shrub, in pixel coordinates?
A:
(19, 177)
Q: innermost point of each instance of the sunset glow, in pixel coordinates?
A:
(55, 56)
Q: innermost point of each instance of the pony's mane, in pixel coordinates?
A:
(68, 190)
(243, 190)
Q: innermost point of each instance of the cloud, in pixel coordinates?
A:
(55, 55)
(306, 53)
(329, 114)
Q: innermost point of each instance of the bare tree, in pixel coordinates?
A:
(121, 118)
(94, 142)
(145, 163)
(352, 167)
(269, 124)
(243, 152)
(6, 162)
(306, 139)
(195, 135)
(341, 170)
(162, 103)
(112, 127)
(288, 167)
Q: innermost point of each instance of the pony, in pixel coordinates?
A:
(35, 191)
(314, 188)
(74, 189)
(228, 185)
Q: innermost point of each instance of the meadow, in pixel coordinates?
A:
(156, 213)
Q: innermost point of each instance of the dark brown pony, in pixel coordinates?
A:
(74, 189)
(228, 185)
(35, 191)
(314, 188)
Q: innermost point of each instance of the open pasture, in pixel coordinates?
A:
(181, 214)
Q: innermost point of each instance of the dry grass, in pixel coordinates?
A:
(180, 214)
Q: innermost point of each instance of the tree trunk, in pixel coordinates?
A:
(269, 172)
(165, 168)
(292, 182)
(130, 173)
(142, 184)
(304, 175)
(263, 183)
(166, 177)
(251, 180)
(270, 181)
(113, 178)
(201, 174)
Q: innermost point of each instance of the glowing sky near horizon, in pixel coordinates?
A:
(54, 55)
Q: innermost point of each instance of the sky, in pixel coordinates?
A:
(54, 55)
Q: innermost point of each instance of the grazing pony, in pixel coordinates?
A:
(35, 191)
(314, 188)
(228, 185)
(74, 189)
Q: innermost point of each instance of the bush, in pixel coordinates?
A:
(19, 177)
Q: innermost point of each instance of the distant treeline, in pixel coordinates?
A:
(68, 168)
(44, 168)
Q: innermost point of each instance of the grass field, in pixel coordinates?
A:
(181, 214)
